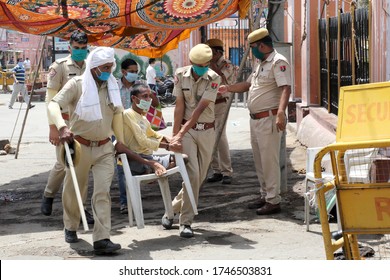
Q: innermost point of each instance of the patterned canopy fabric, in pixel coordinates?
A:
(147, 27)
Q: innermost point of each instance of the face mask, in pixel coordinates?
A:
(131, 77)
(79, 54)
(103, 75)
(20, 64)
(200, 71)
(143, 104)
(258, 54)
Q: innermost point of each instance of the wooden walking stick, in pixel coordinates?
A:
(76, 186)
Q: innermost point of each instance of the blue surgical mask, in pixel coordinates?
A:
(103, 75)
(200, 71)
(79, 54)
(143, 104)
(131, 77)
(258, 54)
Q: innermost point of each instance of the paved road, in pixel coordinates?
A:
(224, 228)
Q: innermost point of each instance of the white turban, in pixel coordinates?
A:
(88, 107)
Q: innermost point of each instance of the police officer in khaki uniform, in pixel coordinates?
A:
(60, 72)
(221, 163)
(194, 121)
(95, 108)
(269, 92)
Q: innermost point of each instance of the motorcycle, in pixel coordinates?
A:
(164, 92)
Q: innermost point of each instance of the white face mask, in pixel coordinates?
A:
(144, 105)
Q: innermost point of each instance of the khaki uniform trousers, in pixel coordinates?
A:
(196, 144)
(100, 160)
(221, 162)
(265, 141)
(56, 177)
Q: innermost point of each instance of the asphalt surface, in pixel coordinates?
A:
(224, 229)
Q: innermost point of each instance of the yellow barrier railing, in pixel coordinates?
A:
(363, 204)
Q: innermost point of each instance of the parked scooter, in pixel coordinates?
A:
(165, 90)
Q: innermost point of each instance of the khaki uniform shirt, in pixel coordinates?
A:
(229, 71)
(266, 82)
(69, 96)
(193, 91)
(138, 133)
(61, 71)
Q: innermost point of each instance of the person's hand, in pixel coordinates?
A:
(66, 135)
(159, 170)
(281, 121)
(222, 89)
(120, 148)
(54, 136)
(176, 140)
(176, 147)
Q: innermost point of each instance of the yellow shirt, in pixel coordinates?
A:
(138, 133)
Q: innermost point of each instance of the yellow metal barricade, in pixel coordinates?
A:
(362, 185)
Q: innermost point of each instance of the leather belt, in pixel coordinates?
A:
(90, 143)
(263, 114)
(65, 116)
(199, 126)
(221, 100)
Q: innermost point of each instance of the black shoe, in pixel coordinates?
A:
(227, 180)
(268, 209)
(258, 204)
(105, 246)
(166, 222)
(71, 236)
(47, 205)
(216, 177)
(186, 231)
(89, 218)
(31, 106)
(124, 209)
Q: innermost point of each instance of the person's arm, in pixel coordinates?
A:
(157, 167)
(178, 114)
(281, 115)
(202, 105)
(53, 131)
(238, 87)
(14, 76)
(117, 126)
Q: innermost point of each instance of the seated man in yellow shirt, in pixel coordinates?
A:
(139, 135)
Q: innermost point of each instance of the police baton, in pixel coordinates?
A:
(76, 186)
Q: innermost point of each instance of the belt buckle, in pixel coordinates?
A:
(200, 126)
(94, 143)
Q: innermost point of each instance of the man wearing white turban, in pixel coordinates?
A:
(95, 111)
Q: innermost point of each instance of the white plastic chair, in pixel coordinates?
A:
(310, 157)
(133, 191)
(358, 164)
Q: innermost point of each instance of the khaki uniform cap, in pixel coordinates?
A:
(200, 54)
(257, 35)
(214, 43)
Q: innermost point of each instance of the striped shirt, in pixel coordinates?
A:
(20, 73)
